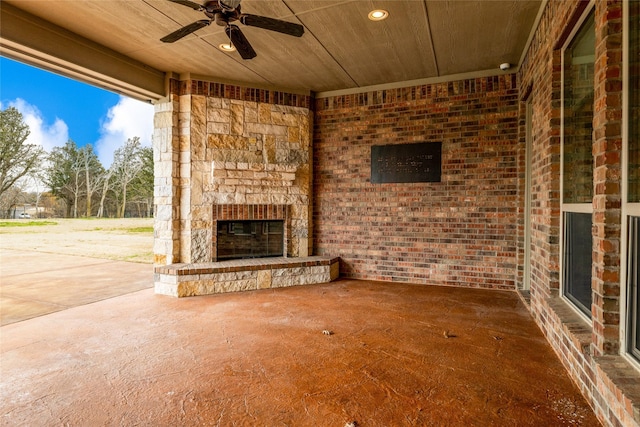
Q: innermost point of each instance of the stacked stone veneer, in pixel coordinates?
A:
(224, 149)
(227, 145)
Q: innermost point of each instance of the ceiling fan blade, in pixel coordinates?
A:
(185, 31)
(240, 42)
(272, 24)
(192, 5)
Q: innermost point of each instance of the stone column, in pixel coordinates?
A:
(166, 246)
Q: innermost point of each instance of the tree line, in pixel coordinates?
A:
(70, 181)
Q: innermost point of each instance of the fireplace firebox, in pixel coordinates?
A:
(239, 239)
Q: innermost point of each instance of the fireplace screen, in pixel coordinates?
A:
(249, 239)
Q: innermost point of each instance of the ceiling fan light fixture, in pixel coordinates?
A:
(226, 47)
(378, 15)
(229, 5)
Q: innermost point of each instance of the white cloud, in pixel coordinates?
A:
(41, 133)
(127, 119)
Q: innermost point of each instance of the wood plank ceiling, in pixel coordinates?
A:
(341, 47)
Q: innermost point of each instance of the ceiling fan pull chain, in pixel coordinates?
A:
(230, 41)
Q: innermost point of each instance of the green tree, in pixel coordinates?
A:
(17, 158)
(93, 174)
(142, 185)
(65, 175)
(107, 183)
(127, 163)
(10, 199)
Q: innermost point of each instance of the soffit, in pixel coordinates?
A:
(341, 48)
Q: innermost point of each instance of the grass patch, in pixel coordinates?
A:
(26, 223)
(148, 229)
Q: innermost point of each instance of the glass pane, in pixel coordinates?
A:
(634, 102)
(577, 260)
(578, 78)
(249, 239)
(634, 285)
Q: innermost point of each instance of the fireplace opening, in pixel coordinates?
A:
(240, 239)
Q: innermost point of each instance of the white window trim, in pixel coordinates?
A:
(627, 209)
(569, 207)
(526, 277)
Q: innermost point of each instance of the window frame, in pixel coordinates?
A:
(570, 207)
(628, 348)
(628, 209)
(526, 278)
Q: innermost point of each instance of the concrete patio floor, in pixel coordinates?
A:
(378, 354)
(33, 283)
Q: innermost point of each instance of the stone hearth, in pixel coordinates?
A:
(183, 280)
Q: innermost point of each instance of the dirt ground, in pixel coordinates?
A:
(127, 239)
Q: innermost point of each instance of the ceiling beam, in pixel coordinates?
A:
(34, 41)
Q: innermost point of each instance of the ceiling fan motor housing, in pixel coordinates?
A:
(221, 20)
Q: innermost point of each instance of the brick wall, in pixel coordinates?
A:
(461, 231)
(607, 155)
(589, 350)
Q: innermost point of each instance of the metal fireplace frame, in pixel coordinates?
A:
(233, 212)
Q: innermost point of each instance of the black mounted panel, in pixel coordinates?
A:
(421, 162)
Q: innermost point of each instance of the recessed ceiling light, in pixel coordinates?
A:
(378, 15)
(226, 47)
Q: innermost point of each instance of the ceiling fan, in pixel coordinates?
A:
(223, 13)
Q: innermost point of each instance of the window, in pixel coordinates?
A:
(631, 177)
(578, 82)
(634, 286)
(577, 260)
(249, 239)
(633, 89)
(577, 165)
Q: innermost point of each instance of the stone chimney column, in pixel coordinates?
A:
(166, 246)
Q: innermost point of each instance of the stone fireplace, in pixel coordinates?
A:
(229, 156)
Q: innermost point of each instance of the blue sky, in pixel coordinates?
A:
(57, 109)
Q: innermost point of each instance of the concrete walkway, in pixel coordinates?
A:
(33, 283)
(377, 354)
